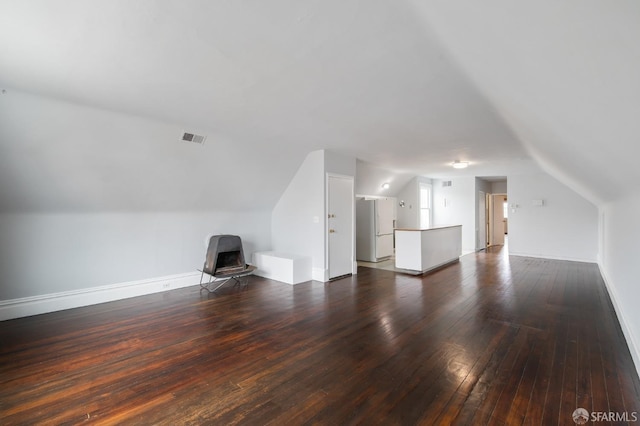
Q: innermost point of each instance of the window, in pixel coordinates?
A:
(505, 209)
(425, 205)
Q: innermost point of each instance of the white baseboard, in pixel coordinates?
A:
(634, 348)
(320, 274)
(34, 305)
(540, 256)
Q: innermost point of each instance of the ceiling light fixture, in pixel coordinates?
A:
(460, 164)
(385, 185)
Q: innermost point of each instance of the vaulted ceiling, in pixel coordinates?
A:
(407, 86)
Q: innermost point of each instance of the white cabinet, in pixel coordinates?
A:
(421, 250)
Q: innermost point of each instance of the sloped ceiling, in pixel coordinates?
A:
(407, 86)
(564, 77)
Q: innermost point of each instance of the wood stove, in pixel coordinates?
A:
(225, 261)
(224, 255)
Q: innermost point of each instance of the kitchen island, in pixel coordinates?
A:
(422, 250)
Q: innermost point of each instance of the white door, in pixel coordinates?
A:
(482, 220)
(340, 225)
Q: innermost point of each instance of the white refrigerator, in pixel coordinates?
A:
(374, 229)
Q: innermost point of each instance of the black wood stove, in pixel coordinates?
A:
(224, 261)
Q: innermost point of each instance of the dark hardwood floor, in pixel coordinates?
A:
(491, 340)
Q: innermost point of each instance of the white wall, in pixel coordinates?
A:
(486, 187)
(339, 164)
(499, 187)
(59, 156)
(565, 227)
(51, 261)
(409, 215)
(457, 205)
(91, 198)
(297, 220)
(619, 264)
(369, 180)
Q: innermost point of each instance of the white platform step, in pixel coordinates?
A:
(284, 267)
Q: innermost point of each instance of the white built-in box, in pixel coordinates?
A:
(288, 268)
(422, 250)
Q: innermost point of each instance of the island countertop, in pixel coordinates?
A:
(426, 229)
(422, 250)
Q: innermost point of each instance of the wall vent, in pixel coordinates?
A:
(446, 183)
(193, 138)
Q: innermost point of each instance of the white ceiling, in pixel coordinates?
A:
(564, 77)
(408, 86)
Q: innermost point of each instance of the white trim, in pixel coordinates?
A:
(430, 208)
(320, 274)
(539, 256)
(35, 305)
(354, 268)
(632, 344)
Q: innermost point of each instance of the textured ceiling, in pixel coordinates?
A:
(407, 86)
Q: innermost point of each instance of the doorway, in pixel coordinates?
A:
(498, 226)
(483, 226)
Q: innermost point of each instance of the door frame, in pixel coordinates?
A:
(481, 233)
(354, 264)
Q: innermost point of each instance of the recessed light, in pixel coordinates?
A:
(385, 185)
(460, 164)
